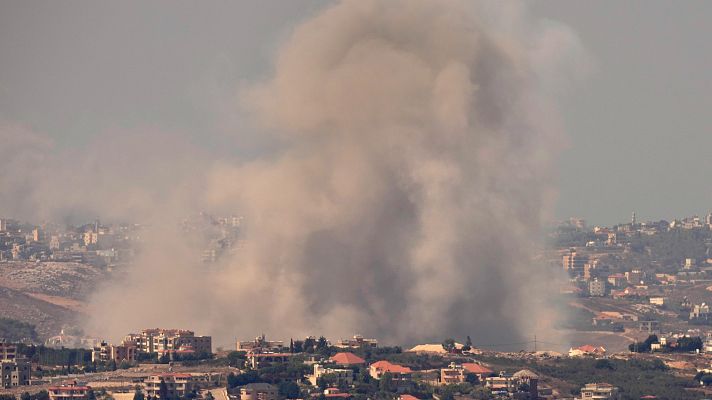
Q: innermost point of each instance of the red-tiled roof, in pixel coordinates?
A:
(407, 397)
(386, 366)
(347, 359)
(587, 348)
(344, 395)
(476, 368)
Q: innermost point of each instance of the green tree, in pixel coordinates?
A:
(309, 345)
(236, 358)
(163, 390)
(138, 395)
(468, 344)
(386, 382)
(449, 345)
(289, 390)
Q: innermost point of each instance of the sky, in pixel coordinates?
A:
(638, 124)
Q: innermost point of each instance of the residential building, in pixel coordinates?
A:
(597, 288)
(618, 281)
(480, 370)
(649, 326)
(356, 342)
(8, 351)
(501, 382)
(260, 343)
(106, 352)
(15, 372)
(159, 340)
(69, 391)
(341, 374)
(658, 301)
(700, 311)
(379, 368)
(573, 262)
(258, 391)
(634, 277)
(453, 374)
(254, 360)
(347, 359)
(177, 385)
(599, 391)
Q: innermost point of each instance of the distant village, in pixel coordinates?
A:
(177, 364)
(637, 301)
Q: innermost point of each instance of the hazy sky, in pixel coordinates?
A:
(639, 125)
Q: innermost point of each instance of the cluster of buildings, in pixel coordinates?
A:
(162, 342)
(94, 244)
(105, 244)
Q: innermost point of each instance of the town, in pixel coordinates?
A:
(636, 296)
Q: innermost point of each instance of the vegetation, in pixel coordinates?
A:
(635, 378)
(684, 344)
(17, 331)
(41, 395)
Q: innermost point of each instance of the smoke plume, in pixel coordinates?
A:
(403, 198)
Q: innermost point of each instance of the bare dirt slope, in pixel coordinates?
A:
(48, 295)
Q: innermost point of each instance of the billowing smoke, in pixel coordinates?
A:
(412, 171)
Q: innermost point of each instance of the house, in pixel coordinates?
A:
(587, 350)
(481, 371)
(258, 391)
(335, 393)
(254, 360)
(499, 383)
(596, 391)
(379, 368)
(347, 359)
(70, 390)
(344, 375)
(658, 301)
(356, 342)
(528, 379)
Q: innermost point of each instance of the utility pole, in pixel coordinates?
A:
(535, 343)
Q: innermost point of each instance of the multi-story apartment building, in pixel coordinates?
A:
(107, 352)
(69, 391)
(158, 340)
(573, 262)
(176, 385)
(8, 351)
(14, 373)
